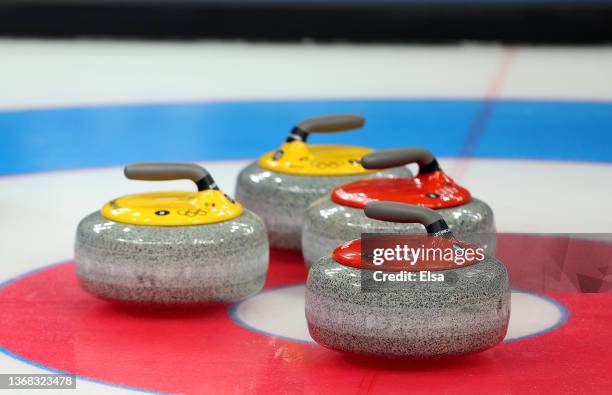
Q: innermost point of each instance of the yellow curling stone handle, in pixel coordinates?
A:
(295, 156)
(172, 208)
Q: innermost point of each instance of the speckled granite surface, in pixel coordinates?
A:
(281, 199)
(221, 262)
(328, 224)
(420, 320)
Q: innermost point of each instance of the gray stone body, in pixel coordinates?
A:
(420, 320)
(328, 224)
(221, 262)
(281, 199)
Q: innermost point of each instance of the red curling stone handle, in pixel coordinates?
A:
(408, 213)
(385, 159)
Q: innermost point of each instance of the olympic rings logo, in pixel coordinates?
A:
(192, 213)
(325, 164)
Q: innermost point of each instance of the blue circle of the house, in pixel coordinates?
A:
(58, 139)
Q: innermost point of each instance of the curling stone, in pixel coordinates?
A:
(338, 217)
(176, 247)
(282, 183)
(466, 312)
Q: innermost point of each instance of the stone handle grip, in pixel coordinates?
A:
(325, 124)
(171, 171)
(331, 123)
(385, 159)
(407, 213)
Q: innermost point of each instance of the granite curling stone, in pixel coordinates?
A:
(282, 183)
(176, 247)
(465, 313)
(339, 216)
